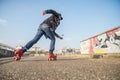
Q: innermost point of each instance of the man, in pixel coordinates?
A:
(46, 28)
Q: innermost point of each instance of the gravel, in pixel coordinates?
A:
(38, 68)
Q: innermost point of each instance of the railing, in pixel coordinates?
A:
(6, 53)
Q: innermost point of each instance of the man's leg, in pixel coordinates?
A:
(50, 34)
(51, 56)
(52, 45)
(33, 41)
(19, 52)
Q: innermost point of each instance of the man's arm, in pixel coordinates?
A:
(50, 11)
(57, 35)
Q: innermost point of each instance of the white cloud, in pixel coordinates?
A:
(3, 22)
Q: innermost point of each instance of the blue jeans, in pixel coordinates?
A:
(46, 30)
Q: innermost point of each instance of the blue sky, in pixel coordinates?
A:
(19, 20)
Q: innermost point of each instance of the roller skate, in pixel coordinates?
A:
(52, 57)
(18, 54)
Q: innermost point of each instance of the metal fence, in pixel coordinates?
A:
(6, 53)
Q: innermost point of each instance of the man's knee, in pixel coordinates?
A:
(53, 39)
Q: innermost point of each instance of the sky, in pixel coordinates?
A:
(20, 19)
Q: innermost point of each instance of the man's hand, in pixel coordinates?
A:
(61, 38)
(43, 12)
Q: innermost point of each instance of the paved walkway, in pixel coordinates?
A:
(38, 68)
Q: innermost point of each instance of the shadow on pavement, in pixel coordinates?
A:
(40, 60)
(4, 62)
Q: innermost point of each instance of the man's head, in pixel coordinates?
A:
(60, 17)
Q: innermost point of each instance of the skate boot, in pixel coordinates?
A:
(52, 57)
(18, 54)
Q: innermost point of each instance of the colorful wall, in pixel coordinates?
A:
(106, 42)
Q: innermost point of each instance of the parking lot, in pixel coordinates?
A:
(65, 68)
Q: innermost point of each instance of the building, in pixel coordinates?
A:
(6, 51)
(67, 50)
(106, 42)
